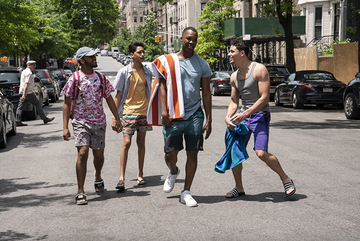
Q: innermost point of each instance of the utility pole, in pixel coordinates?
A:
(196, 24)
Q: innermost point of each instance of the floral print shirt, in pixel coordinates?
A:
(89, 101)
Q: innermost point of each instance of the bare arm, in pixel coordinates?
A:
(116, 125)
(117, 104)
(165, 120)
(262, 76)
(234, 102)
(66, 117)
(206, 98)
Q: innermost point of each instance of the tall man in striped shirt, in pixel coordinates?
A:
(191, 71)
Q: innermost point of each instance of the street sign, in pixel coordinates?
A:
(246, 37)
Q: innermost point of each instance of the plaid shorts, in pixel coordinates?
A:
(132, 123)
(86, 134)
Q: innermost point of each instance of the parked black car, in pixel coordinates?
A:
(352, 98)
(310, 87)
(59, 74)
(51, 83)
(10, 84)
(220, 82)
(278, 74)
(7, 120)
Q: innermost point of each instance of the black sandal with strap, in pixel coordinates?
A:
(234, 193)
(81, 199)
(99, 185)
(288, 186)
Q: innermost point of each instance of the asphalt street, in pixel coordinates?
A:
(318, 149)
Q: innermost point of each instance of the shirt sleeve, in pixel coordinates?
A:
(120, 80)
(68, 89)
(27, 75)
(206, 69)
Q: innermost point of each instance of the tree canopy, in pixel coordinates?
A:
(144, 33)
(55, 28)
(211, 35)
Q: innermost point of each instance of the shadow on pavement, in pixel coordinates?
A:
(12, 235)
(275, 197)
(8, 186)
(329, 124)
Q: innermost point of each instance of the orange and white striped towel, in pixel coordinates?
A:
(168, 68)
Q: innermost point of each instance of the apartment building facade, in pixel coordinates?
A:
(328, 20)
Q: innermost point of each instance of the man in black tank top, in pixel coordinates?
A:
(251, 82)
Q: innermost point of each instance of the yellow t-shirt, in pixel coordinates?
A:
(136, 100)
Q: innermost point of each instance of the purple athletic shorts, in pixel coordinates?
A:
(258, 123)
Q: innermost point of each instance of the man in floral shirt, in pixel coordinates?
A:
(87, 88)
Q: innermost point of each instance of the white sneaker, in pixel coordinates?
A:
(187, 199)
(170, 181)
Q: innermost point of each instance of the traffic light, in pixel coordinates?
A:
(157, 38)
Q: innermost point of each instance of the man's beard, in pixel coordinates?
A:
(90, 64)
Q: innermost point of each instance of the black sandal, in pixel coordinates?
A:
(234, 193)
(288, 186)
(120, 186)
(99, 185)
(81, 199)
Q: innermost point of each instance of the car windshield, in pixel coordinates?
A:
(11, 76)
(224, 75)
(277, 70)
(318, 76)
(40, 73)
(67, 71)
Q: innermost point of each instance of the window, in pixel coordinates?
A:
(141, 19)
(135, 18)
(203, 5)
(318, 22)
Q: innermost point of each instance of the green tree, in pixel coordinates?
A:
(18, 26)
(146, 33)
(123, 40)
(210, 36)
(91, 22)
(164, 1)
(283, 9)
(53, 30)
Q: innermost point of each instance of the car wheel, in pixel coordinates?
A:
(13, 130)
(277, 99)
(32, 114)
(320, 106)
(295, 102)
(351, 110)
(53, 99)
(3, 140)
(213, 91)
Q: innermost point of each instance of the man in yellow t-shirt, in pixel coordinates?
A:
(133, 85)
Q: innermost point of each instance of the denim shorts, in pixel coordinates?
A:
(87, 134)
(132, 123)
(191, 129)
(258, 124)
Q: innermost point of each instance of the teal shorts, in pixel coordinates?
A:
(191, 129)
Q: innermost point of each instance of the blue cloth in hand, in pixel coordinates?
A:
(235, 152)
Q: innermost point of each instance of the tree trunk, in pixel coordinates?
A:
(286, 23)
(290, 58)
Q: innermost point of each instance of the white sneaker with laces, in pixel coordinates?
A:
(170, 181)
(187, 199)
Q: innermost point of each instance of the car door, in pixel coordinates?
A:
(285, 89)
